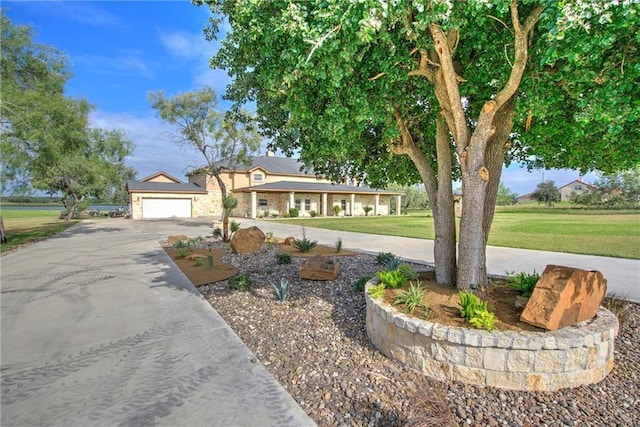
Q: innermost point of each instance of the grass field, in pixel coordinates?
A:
(24, 226)
(558, 229)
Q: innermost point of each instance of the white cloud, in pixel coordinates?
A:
(154, 149)
(82, 12)
(124, 64)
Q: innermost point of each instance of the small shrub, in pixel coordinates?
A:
(294, 212)
(377, 291)
(234, 226)
(470, 304)
(393, 279)
(304, 245)
(313, 214)
(411, 298)
(339, 245)
(265, 214)
(194, 241)
(283, 258)
(336, 210)
(241, 282)
(274, 215)
(282, 292)
(523, 282)
(408, 272)
(383, 258)
(182, 253)
(359, 284)
(210, 263)
(217, 233)
(484, 320)
(366, 210)
(179, 244)
(199, 262)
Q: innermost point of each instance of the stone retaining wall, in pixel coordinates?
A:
(568, 357)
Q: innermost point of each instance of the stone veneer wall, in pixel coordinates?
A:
(540, 361)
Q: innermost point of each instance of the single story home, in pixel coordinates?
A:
(269, 186)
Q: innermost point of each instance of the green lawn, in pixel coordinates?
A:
(24, 226)
(559, 229)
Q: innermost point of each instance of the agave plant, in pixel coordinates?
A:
(282, 292)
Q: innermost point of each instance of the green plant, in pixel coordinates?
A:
(366, 210)
(217, 232)
(484, 320)
(283, 258)
(383, 258)
(179, 244)
(210, 263)
(412, 297)
(523, 282)
(282, 292)
(336, 210)
(377, 291)
(294, 212)
(199, 262)
(394, 279)
(194, 241)
(313, 214)
(241, 282)
(470, 304)
(359, 284)
(182, 253)
(304, 245)
(339, 245)
(408, 272)
(234, 226)
(274, 215)
(265, 214)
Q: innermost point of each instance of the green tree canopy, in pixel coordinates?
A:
(505, 196)
(428, 91)
(46, 140)
(546, 192)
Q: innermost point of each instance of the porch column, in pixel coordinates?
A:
(254, 204)
(292, 200)
(376, 205)
(399, 204)
(353, 205)
(324, 204)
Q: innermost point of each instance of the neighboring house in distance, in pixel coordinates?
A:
(566, 191)
(268, 186)
(577, 187)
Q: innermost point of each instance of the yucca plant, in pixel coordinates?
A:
(339, 245)
(282, 292)
(412, 297)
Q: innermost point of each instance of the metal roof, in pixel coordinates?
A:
(163, 187)
(315, 187)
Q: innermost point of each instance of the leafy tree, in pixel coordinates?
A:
(46, 141)
(415, 196)
(431, 91)
(224, 140)
(616, 190)
(505, 196)
(546, 192)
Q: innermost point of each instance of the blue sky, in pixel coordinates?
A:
(119, 51)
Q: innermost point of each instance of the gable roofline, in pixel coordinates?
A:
(315, 187)
(160, 173)
(579, 181)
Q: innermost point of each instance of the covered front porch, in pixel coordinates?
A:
(317, 199)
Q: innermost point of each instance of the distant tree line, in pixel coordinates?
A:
(619, 190)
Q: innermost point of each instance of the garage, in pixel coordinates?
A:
(166, 208)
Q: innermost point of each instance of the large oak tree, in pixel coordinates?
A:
(432, 90)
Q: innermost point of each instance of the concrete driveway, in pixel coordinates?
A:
(100, 328)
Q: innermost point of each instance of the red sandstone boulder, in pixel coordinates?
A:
(289, 241)
(319, 268)
(178, 238)
(247, 240)
(563, 297)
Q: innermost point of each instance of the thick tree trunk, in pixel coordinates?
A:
(225, 214)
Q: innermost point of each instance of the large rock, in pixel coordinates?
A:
(247, 240)
(177, 238)
(319, 268)
(563, 297)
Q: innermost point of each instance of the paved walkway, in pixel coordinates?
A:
(623, 275)
(99, 328)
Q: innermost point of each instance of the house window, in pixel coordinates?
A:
(297, 205)
(262, 203)
(577, 187)
(307, 204)
(257, 177)
(343, 205)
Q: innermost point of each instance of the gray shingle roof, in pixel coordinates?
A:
(272, 164)
(163, 187)
(319, 187)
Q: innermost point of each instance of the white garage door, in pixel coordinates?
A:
(166, 208)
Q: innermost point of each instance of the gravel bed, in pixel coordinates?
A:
(316, 345)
